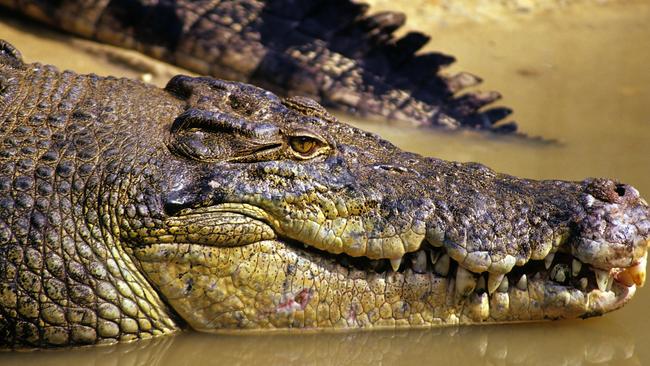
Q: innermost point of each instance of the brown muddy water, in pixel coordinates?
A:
(580, 76)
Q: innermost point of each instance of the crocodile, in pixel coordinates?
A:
(129, 211)
(335, 52)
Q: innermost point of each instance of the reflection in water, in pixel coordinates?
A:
(558, 343)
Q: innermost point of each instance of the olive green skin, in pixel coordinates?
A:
(130, 211)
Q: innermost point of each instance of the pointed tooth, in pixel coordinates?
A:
(560, 272)
(494, 281)
(601, 279)
(434, 255)
(480, 284)
(442, 265)
(638, 271)
(576, 266)
(503, 287)
(634, 275)
(522, 284)
(583, 283)
(465, 281)
(479, 307)
(419, 261)
(500, 311)
(395, 263)
(549, 260)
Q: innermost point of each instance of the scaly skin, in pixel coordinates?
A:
(331, 51)
(129, 210)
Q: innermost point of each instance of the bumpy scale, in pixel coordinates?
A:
(333, 51)
(124, 207)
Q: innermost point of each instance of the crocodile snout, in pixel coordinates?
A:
(614, 230)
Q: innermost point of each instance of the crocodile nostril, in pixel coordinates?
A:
(607, 190)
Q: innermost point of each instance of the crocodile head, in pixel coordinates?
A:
(275, 215)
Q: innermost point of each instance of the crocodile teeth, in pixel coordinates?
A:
(634, 275)
(434, 257)
(522, 284)
(395, 263)
(420, 262)
(480, 284)
(442, 265)
(503, 287)
(602, 277)
(559, 272)
(583, 283)
(494, 281)
(465, 281)
(576, 266)
(560, 276)
(638, 271)
(549, 260)
(479, 307)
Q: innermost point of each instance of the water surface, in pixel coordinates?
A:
(580, 77)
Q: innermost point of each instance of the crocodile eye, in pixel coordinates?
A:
(303, 145)
(306, 146)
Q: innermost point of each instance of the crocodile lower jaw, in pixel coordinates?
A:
(226, 267)
(277, 284)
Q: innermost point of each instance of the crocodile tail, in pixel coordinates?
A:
(331, 50)
(9, 55)
(347, 58)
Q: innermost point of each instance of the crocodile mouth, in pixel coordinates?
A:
(560, 268)
(558, 278)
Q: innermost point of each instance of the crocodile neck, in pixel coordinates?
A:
(63, 172)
